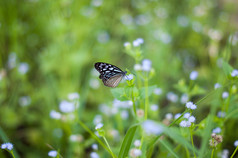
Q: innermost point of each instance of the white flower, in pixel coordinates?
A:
(12, 60)
(95, 147)
(169, 116)
(137, 143)
(146, 65)
(154, 107)
(216, 130)
(129, 77)
(122, 104)
(193, 75)
(183, 123)
(124, 114)
(151, 127)
(52, 153)
(217, 85)
(236, 143)
(191, 119)
(137, 152)
(98, 126)
(96, 3)
(157, 91)
(103, 37)
(8, 146)
(126, 19)
(73, 96)
(24, 100)
(234, 73)
(182, 21)
(177, 115)
(184, 98)
(137, 67)
(221, 114)
(76, 138)
(94, 83)
(138, 42)
(190, 105)
(66, 106)
(55, 115)
(97, 119)
(225, 153)
(23, 68)
(94, 155)
(172, 97)
(186, 115)
(225, 95)
(127, 44)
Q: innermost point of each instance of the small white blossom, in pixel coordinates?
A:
(137, 152)
(94, 83)
(126, 19)
(169, 116)
(186, 115)
(55, 115)
(217, 85)
(98, 126)
(66, 106)
(234, 73)
(103, 37)
(95, 147)
(73, 96)
(236, 143)
(182, 21)
(146, 65)
(177, 115)
(183, 123)
(137, 67)
(172, 97)
(52, 153)
(138, 42)
(184, 98)
(221, 114)
(129, 77)
(157, 91)
(225, 95)
(137, 143)
(216, 130)
(190, 105)
(23, 68)
(151, 127)
(96, 3)
(127, 44)
(8, 146)
(24, 101)
(97, 119)
(124, 114)
(94, 155)
(225, 153)
(192, 119)
(193, 75)
(154, 107)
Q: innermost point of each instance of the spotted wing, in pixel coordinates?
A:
(110, 74)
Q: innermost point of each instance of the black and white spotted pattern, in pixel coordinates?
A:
(110, 74)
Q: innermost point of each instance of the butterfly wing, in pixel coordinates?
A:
(110, 74)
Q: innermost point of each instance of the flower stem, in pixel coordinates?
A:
(12, 154)
(109, 147)
(234, 152)
(146, 97)
(212, 153)
(191, 134)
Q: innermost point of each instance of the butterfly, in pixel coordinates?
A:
(110, 74)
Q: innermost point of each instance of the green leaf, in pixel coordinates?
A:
(150, 91)
(227, 68)
(119, 94)
(126, 144)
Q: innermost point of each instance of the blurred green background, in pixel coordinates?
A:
(48, 50)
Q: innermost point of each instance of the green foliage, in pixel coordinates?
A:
(51, 97)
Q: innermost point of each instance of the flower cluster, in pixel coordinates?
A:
(215, 140)
(136, 152)
(188, 120)
(7, 146)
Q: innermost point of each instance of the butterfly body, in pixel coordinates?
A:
(110, 74)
